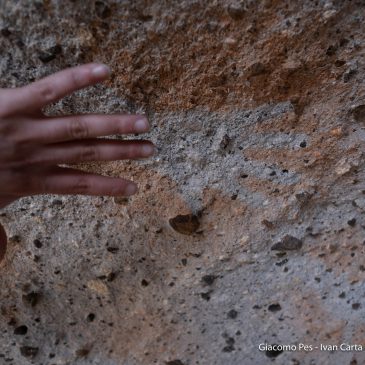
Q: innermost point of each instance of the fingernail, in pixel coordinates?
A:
(100, 71)
(141, 125)
(130, 189)
(148, 150)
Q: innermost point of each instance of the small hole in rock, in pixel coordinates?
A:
(144, 283)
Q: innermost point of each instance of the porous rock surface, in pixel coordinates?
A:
(257, 109)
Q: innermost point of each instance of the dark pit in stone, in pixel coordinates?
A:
(37, 243)
(208, 279)
(21, 330)
(31, 298)
(90, 317)
(351, 222)
(276, 307)
(232, 314)
(5, 32)
(112, 249)
(174, 362)
(205, 296)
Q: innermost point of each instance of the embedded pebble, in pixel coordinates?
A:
(359, 113)
(186, 224)
(236, 11)
(288, 243)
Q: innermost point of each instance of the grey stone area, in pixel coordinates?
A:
(108, 281)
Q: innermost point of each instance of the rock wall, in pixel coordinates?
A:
(249, 224)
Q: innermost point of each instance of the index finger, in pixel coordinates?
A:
(35, 96)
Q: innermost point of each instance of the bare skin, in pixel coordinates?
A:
(32, 145)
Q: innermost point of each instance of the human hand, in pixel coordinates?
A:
(32, 145)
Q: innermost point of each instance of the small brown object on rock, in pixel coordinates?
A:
(31, 299)
(256, 69)
(185, 224)
(288, 243)
(121, 200)
(359, 113)
(83, 352)
(268, 224)
(236, 11)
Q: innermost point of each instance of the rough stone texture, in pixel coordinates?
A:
(258, 111)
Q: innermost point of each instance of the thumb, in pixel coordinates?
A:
(3, 242)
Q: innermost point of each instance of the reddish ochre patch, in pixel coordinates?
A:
(205, 58)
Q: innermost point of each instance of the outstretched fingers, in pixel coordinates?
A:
(68, 181)
(71, 181)
(30, 98)
(60, 129)
(91, 150)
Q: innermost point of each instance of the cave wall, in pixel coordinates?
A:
(257, 109)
